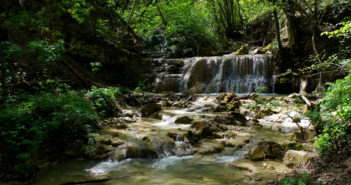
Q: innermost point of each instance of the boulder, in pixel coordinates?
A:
(226, 97)
(132, 150)
(266, 149)
(162, 144)
(252, 96)
(237, 143)
(238, 116)
(297, 158)
(209, 147)
(226, 120)
(228, 100)
(156, 115)
(150, 108)
(203, 130)
(242, 51)
(183, 120)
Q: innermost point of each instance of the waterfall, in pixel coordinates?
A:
(240, 74)
(229, 73)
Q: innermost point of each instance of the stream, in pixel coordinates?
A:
(218, 160)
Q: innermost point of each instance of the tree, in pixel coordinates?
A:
(227, 16)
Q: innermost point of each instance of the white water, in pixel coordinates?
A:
(240, 74)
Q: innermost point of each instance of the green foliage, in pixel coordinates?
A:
(304, 179)
(336, 106)
(46, 52)
(79, 9)
(177, 28)
(261, 89)
(41, 56)
(95, 66)
(104, 100)
(343, 31)
(45, 123)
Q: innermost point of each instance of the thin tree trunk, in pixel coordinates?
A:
(277, 27)
(320, 86)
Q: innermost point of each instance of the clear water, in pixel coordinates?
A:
(211, 169)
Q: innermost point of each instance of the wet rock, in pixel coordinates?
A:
(219, 108)
(237, 143)
(242, 51)
(259, 50)
(263, 112)
(305, 135)
(129, 113)
(252, 96)
(228, 100)
(292, 146)
(156, 115)
(149, 109)
(121, 125)
(238, 116)
(162, 144)
(183, 120)
(203, 130)
(200, 125)
(268, 166)
(226, 97)
(102, 150)
(226, 120)
(132, 150)
(295, 158)
(209, 147)
(266, 149)
(243, 166)
(183, 147)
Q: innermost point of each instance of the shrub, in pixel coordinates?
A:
(46, 123)
(104, 100)
(336, 106)
(303, 179)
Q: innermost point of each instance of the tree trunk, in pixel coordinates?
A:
(303, 86)
(320, 86)
(277, 27)
(291, 27)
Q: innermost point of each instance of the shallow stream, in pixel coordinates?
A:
(226, 167)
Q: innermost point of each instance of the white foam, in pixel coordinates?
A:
(169, 161)
(106, 166)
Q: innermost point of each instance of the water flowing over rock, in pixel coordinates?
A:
(231, 73)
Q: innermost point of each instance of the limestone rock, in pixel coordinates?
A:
(238, 116)
(297, 158)
(183, 120)
(209, 147)
(265, 149)
(132, 150)
(156, 115)
(242, 51)
(229, 100)
(162, 144)
(150, 108)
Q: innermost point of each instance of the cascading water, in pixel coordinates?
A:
(240, 74)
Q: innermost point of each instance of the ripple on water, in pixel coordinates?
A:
(163, 163)
(106, 166)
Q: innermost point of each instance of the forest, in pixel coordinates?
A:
(175, 92)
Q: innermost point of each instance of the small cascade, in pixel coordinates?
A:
(206, 75)
(240, 74)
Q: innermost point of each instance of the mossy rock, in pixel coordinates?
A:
(242, 51)
(183, 120)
